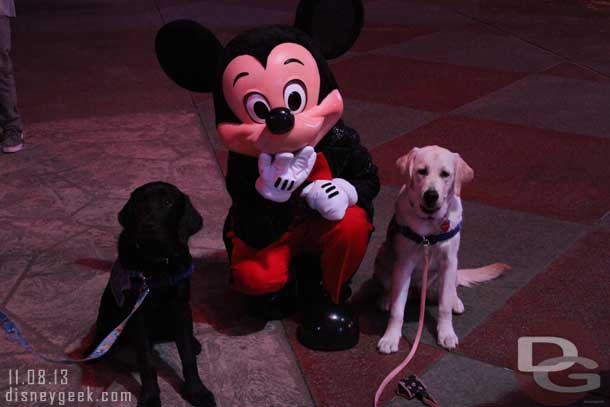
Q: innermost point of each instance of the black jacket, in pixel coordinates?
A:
(259, 222)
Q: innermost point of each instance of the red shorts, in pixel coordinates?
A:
(341, 246)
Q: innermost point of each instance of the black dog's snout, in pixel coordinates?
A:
(430, 197)
(280, 120)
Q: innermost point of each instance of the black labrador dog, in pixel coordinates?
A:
(153, 250)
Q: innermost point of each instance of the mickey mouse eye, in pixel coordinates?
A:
(257, 107)
(295, 96)
(167, 203)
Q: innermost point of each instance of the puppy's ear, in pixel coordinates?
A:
(463, 174)
(334, 25)
(405, 165)
(126, 214)
(190, 222)
(189, 54)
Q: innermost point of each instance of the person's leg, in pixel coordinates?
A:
(263, 275)
(329, 322)
(10, 120)
(341, 245)
(343, 248)
(259, 271)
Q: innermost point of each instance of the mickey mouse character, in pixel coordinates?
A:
(299, 179)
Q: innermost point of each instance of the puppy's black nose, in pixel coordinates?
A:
(280, 120)
(430, 197)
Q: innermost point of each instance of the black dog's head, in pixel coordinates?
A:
(158, 214)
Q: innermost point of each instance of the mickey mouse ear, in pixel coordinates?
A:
(333, 24)
(189, 54)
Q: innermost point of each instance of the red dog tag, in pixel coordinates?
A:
(445, 225)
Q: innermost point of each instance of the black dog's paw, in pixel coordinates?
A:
(196, 346)
(199, 395)
(149, 398)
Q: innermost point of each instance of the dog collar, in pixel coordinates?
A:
(419, 239)
(159, 282)
(122, 279)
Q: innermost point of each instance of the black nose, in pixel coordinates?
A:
(430, 197)
(280, 120)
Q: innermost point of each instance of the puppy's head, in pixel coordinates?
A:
(158, 213)
(433, 174)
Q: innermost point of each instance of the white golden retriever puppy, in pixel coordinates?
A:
(428, 210)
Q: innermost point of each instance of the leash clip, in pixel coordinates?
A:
(411, 388)
(144, 282)
(425, 241)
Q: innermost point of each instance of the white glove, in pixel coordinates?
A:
(330, 198)
(277, 180)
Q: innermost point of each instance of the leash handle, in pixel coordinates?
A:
(420, 327)
(411, 388)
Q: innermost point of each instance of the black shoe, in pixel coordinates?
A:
(13, 141)
(274, 306)
(329, 327)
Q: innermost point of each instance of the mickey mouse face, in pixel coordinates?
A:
(273, 90)
(277, 104)
(290, 76)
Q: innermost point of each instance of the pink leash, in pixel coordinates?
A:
(412, 387)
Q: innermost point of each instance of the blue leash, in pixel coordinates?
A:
(14, 334)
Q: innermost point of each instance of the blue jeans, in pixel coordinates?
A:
(9, 115)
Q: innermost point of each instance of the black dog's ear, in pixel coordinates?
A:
(126, 214)
(189, 54)
(333, 24)
(191, 221)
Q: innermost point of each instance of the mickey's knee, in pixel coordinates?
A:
(251, 278)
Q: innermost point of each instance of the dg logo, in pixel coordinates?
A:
(557, 380)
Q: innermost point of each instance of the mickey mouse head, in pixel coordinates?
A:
(273, 89)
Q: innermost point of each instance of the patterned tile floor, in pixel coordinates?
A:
(521, 90)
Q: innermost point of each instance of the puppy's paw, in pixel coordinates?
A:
(199, 395)
(447, 338)
(458, 306)
(388, 344)
(149, 398)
